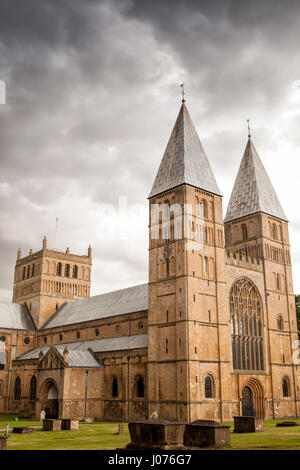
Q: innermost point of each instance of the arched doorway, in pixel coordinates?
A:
(253, 399)
(49, 399)
(247, 402)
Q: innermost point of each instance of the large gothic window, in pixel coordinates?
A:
(246, 326)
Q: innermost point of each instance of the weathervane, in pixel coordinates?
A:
(249, 133)
(182, 92)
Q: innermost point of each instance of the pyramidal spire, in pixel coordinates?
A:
(253, 191)
(184, 160)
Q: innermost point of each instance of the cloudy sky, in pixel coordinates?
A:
(92, 94)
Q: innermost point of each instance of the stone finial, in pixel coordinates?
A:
(68, 251)
(90, 251)
(45, 243)
(41, 355)
(30, 251)
(19, 255)
(66, 355)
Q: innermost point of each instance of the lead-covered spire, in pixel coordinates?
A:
(253, 191)
(184, 160)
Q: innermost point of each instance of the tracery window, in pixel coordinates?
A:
(246, 319)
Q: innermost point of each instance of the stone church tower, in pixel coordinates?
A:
(221, 317)
(188, 328)
(45, 280)
(256, 233)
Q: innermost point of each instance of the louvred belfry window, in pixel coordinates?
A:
(246, 320)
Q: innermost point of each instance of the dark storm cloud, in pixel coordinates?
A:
(230, 48)
(92, 95)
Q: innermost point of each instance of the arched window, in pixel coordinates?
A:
(33, 384)
(205, 266)
(285, 387)
(245, 232)
(274, 231)
(67, 270)
(32, 271)
(24, 273)
(280, 323)
(208, 387)
(277, 281)
(75, 271)
(246, 318)
(58, 269)
(203, 209)
(28, 270)
(18, 388)
(115, 387)
(140, 387)
(1, 388)
(2, 352)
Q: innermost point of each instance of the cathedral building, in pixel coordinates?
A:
(212, 335)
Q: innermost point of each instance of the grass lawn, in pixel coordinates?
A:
(272, 438)
(103, 435)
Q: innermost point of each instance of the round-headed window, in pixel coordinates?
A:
(78, 334)
(118, 329)
(141, 326)
(60, 337)
(45, 340)
(97, 332)
(26, 340)
(3, 339)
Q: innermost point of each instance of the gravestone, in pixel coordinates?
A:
(22, 430)
(248, 424)
(120, 429)
(89, 420)
(156, 435)
(206, 433)
(43, 415)
(51, 424)
(169, 435)
(70, 424)
(3, 442)
(285, 424)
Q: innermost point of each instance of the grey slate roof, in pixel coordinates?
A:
(253, 191)
(184, 160)
(99, 345)
(15, 316)
(82, 359)
(129, 300)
